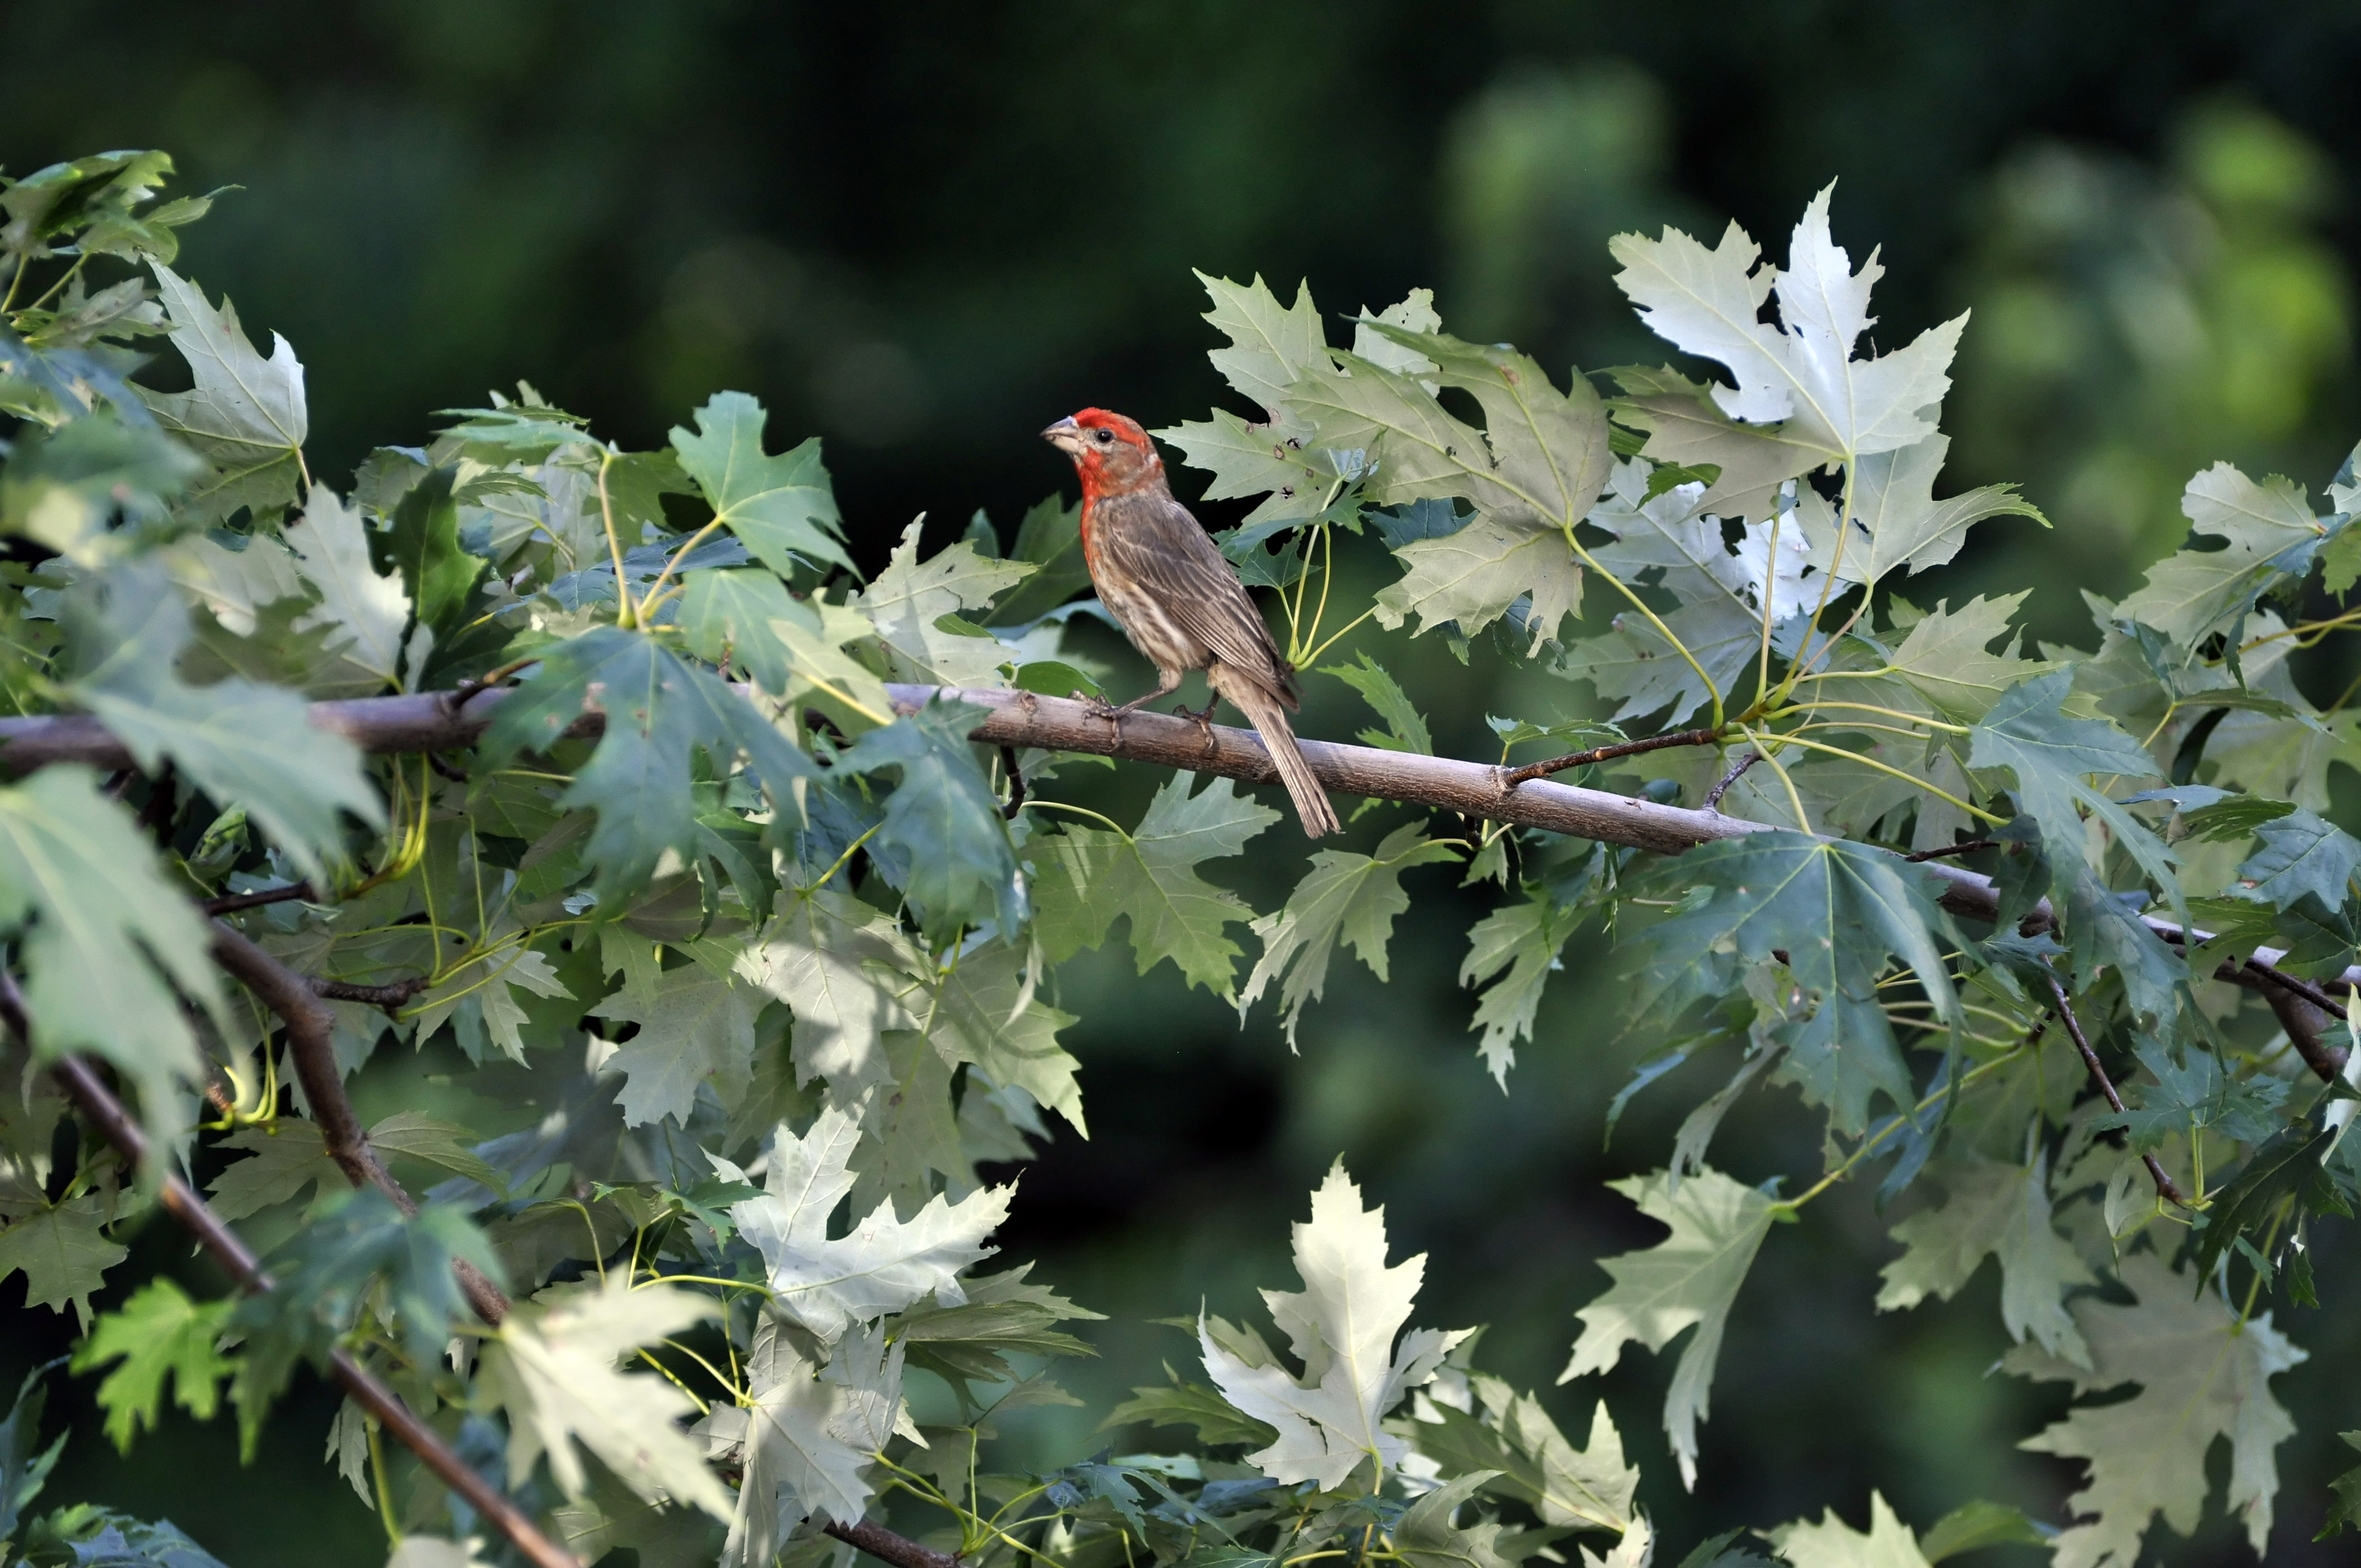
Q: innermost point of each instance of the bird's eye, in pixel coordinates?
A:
(1106, 436)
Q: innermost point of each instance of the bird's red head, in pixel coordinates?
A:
(1111, 452)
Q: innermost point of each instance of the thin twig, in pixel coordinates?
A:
(311, 1030)
(2166, 1187)
(1969, 848)
(881, 1542)
(1721, 786)
(1016, 783)
(231, 903)
(392, 998)
(1542, 770)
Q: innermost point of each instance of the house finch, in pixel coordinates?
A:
(1177, 600)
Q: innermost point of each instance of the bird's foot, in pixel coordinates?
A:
(1099, 707)
(1203, 721)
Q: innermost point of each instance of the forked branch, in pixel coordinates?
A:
(2166, 1187)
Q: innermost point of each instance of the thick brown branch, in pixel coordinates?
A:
(2166, 1187)
(1542, 770)
(311, 1030)
(882, 1543)
(2303, 1023)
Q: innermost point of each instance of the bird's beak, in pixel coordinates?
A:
(1066, 436)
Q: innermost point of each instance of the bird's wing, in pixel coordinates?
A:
(1158, 543)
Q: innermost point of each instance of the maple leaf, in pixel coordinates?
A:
(63, 1254)
(1832, 1543)
(1342, 1326)
(816, 955)
(1893, 499)
(1345, 897)
(1524, 939)
(1687, 1279)
(245, 414)
(884, 1264)
(2270, 534)
(910, 598)
(782, 506)
(363, 610)
(552, 1368)
(1589, 1488)
(1803, 373)
(157, 1334)
(2000, 1210)
(695, 1027)
(2203, 1374)
(1149, 878)
(808, 1437)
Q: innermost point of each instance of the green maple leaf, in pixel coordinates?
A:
(1840, 912)
(727, 615)
(1688, 429)
(94, 487)
(972, 1016)
(1184, 1404)
(1893, 499)
(783, 507)
(1472, 575)
(2299, 855)
(107, 941)
(1587, 1489)
(437, 573)
(2203, 1372)
(243, 744)
(943, 817)
(157, 1334)
(1405, 727)
(2346, 1508)
(1149, 877)
(840, 966)
(284, 1160)
(2270, 534)
(638, 780)
(1946, 657)
(23, 1470)
(1049, 539)
(1832, 1543)
(1003, 1316)
(1345, 897)
(1999, 1210)
(1524, 939)
(913, 1128)
(1688, 1279)
(247, 415)
(695, 1028)
(1426, 1538)
(63, 1254)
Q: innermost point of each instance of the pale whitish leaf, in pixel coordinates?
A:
(1687, 1279)
(886, 1264)
(245, 414)
(364, 609)
(1414, 314)
(231, 584)
(983, 1011)
(552, 1368)
(910, 595)
(2268, 529)
(414, 1551)
(1587, 1489)
(1342, 1325)
(1092, 878)
(801, 1444)
(782, 506)
(2202, 1373)
(1636, 1550)
(820, 671)
(1426, 1538)
(242, 744)
(1685, 428)
(63, 1254)
(1893, 499)
(1946, 657)
(695, 1028)
(816, 955)
(1832, 1543)
(491, 980)
(1999, 1210)
(1524, 939)
(1249, 460)
(109, 939)
(1710, 304)
(1345, 897)
(1472, 576)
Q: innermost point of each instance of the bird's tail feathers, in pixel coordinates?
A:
(1263, 711)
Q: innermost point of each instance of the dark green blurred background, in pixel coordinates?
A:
(925, 230)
